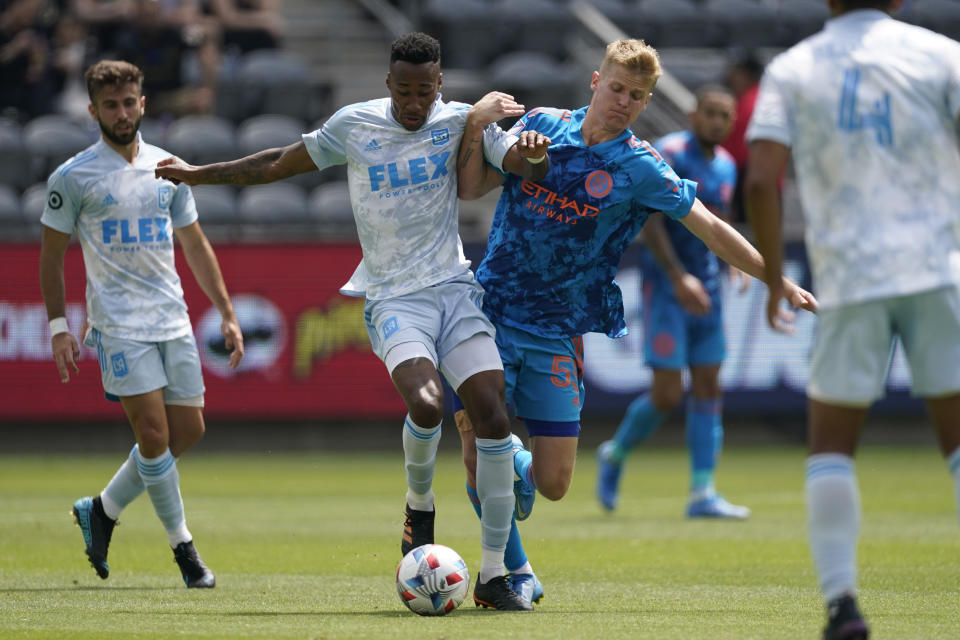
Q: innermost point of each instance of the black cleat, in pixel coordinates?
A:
(845, 621)
(417, 529)
(497, 594)
(97, 529)
(196, 575)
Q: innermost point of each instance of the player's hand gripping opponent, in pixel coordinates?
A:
(176, 170)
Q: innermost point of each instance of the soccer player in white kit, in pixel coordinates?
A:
(126, 219)
(423, 310)
(869, 110)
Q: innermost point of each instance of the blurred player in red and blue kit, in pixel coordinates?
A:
(682, 316)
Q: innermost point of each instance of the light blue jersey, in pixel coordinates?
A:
(124, 218)
(403, 189)
(555, 244)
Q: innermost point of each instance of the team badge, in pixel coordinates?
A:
(599, 183)
(119, 365)
(439, 137)
(164, 196)
(390, 327)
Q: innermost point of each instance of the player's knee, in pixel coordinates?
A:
(554, 488)
(425, 409)
(493, 424)
(667, 399)
(152, 437)
(183, 438)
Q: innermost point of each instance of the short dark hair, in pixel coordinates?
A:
(415, 48)
(111, 72)
(711, 88)
(850, 5)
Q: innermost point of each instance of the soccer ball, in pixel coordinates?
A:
(432, 580)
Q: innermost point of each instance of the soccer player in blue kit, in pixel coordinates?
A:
(553, 251)
(682, 321)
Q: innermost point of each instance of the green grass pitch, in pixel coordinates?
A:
(306, 546)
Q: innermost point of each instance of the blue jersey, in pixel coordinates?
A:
(555, 244)
(716, 180)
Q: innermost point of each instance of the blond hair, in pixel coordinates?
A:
(637, 56)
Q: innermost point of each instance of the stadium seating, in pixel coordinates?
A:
(32, 202)
(535, 25)
(678, 23)
(276, 202)
(202, 139)
(329, 205)
(51, 139)
(216, 203)
(15, 166)
(942, 16)
(534, 79)
(9, 205)
(744, 23)
(801, 18)
(467, 28)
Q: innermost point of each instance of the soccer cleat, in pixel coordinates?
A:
(716, 506)
(522, 491)
(497, 594)
(196, 575)
(844, 621)
(97, 529)
(527, 586)
(608, 477)
(417, 529)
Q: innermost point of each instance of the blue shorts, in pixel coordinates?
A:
(544, 380)
(674, 339)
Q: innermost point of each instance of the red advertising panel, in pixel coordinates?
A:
(307, 351)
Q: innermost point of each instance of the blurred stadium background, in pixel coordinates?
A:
(225, 78)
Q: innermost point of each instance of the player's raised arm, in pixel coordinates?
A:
(733, 248)
(66, 351)
(474, 176)
(264, 166)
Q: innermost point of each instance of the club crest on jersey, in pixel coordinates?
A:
(390, 327)
(164, 196)
(598, 183)
(439, 137)
(119, 365)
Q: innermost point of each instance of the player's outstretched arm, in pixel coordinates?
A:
(203, 263)
(733, 248)
(474, 176)
(66, 351)
(269, 165)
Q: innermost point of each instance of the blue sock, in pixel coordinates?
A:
(704, 439)
(523, 467)
(639, 422)
(514, 557)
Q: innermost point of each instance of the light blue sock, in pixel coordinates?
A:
(953, 463)
(419, 458)
(833, 521)
(704, 438)
(514, 557)
(495, 489)
(125, 486)
(639, 422)
(163, 486)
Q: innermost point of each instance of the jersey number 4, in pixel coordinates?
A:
(852, 118)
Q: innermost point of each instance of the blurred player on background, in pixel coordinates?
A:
(137, 318)
(423, 303)
(554, 248)
(682, 316)
(869, 110)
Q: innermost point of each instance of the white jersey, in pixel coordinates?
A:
(403, 189)
(124, 218)
(869, 107)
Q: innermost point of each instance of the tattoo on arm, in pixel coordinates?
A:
(471, 147)
(253, 169)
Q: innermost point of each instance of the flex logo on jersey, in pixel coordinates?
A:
(553, 205)
(130, 231)
(417, 171)
(164, 196)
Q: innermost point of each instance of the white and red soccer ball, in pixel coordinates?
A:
(432, 580)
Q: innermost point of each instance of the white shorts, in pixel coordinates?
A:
(854, 346)
(131, 367)
(433, 323)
